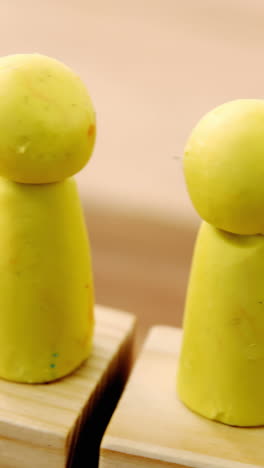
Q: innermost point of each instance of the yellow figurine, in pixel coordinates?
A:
(47, 125)
(221, 370)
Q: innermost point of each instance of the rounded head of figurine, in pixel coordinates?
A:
(47, 121)
(224, 167)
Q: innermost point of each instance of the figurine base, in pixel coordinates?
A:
(61, 423)
(152, 428)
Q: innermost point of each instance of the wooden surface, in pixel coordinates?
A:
(151, 428)
(40, 424)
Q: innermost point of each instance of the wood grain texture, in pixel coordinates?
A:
(151, 428)
(40, 424)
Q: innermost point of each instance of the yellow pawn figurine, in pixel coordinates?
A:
(221, 371)
(47, 126)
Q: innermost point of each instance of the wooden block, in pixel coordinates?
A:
(60, 424)
(151, 428)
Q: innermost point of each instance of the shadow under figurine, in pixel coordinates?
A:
(221, 371)
(47, 127)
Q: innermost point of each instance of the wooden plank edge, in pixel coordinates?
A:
(91, 423)
(174, 457)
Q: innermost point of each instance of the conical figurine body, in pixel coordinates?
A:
(47, 127)
(221, 371)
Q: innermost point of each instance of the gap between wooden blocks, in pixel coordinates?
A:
(151, 428)
(61, 424)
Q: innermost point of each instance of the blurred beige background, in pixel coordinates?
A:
(152, 67)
